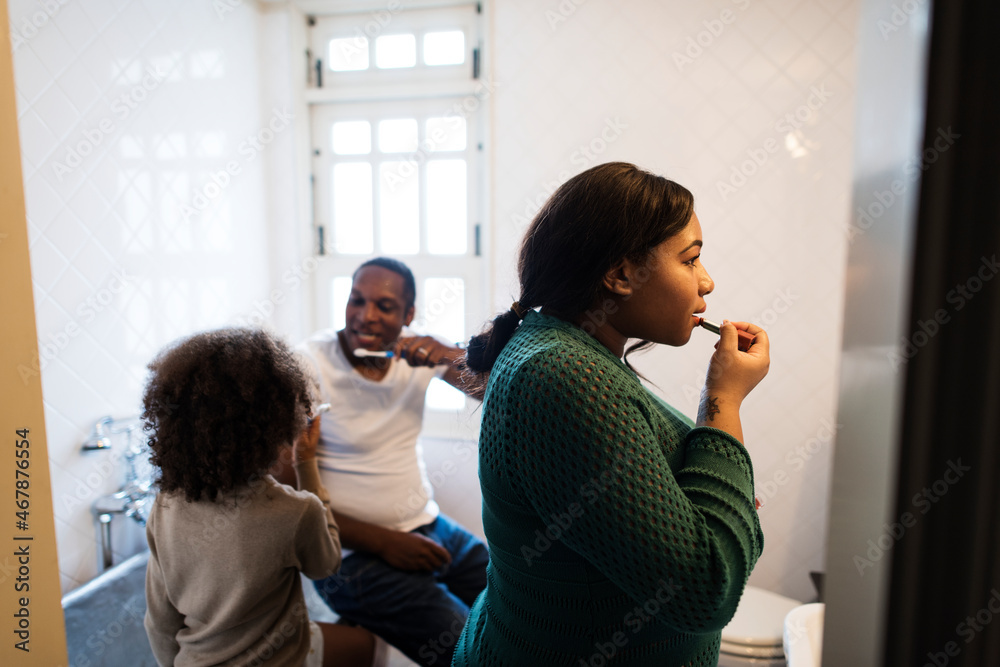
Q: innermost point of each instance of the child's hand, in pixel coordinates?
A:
(307, 442)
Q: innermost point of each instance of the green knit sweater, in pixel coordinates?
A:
(618, 534)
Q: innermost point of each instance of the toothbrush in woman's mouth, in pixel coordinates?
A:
(745, 337)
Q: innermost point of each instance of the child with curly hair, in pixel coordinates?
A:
(227, 542)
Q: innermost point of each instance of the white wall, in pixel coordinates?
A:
(611, 78)
(605, 77)
(118, 269)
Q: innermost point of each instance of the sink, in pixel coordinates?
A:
(803, 635)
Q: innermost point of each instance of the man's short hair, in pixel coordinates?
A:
(396, 266)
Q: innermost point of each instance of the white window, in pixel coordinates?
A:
(397, 139)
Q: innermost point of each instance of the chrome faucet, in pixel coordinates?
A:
(99, 438)
(135, 498)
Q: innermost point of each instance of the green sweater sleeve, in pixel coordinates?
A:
(652, 500)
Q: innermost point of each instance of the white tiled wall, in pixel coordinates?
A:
(577, 83)
(127, 108)
(691, 92)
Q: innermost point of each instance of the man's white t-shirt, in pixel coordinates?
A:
(368, 455)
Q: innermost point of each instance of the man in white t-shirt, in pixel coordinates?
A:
(409, 573)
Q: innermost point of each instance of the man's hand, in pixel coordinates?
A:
(412, 552)
(426, 351)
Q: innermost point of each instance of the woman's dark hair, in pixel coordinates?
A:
(217, 408)
(593, 221)
(396, 266)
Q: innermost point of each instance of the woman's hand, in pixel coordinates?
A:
(307, 442)
(426, 351)
(731, 376)
(732, 373)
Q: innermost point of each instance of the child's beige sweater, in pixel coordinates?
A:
(223, 586)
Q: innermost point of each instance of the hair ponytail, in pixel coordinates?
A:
(485, 347)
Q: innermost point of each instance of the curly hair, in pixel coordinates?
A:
(217, 408)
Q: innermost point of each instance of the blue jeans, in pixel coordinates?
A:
(420, 613)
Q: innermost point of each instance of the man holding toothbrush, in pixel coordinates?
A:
(409, 573)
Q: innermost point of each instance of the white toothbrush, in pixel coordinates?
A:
(384, 354)
(320, 409)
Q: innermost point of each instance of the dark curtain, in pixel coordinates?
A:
(944, 598)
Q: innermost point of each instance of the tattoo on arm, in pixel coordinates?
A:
(709, 408)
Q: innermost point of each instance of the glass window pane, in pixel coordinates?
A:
(398, 135)
(352, 137)
(444, 48)
(396, 51)
(442, 313)
(442, 396)
(352, 208)
(399, 213)
(446, 134)
(442, 308)
(446, 207)
(349, 54)
(339, 294)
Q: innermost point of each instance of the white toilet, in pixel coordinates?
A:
(754, 635)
